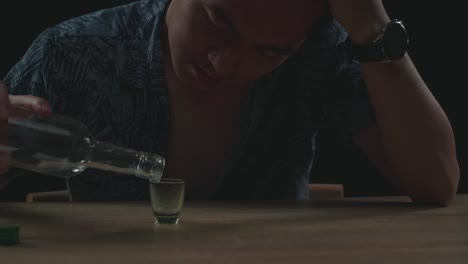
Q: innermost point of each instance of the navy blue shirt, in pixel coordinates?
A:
(106, 70)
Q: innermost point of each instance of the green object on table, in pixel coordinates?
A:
(9, 234)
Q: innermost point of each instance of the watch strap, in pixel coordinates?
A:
(365, 52)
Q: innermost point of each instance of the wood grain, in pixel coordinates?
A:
(358, 230)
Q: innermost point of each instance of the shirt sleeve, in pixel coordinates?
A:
(348, 106)
(27, 75)
(336, 81)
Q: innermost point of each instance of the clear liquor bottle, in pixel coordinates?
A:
(64, 147)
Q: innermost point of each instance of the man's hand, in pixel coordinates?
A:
(8, 103)
(4, 114)
(363, 19)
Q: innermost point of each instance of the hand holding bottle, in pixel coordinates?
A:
(34, 139)
(30, 103)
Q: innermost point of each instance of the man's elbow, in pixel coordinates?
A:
(441, 192)
(439, 199)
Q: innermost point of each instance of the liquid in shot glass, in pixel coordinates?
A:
(167, 198)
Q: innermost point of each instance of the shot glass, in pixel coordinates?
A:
(167, 198)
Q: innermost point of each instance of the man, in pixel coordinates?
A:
(233, 92)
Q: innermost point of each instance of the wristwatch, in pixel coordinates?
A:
(390, 44)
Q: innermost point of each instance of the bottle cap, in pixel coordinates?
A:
(9, 234)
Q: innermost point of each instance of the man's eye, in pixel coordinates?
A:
(271, 54)
(216, 24)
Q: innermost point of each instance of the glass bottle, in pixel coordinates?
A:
(64, 147)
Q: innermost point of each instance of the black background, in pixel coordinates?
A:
(437, 49)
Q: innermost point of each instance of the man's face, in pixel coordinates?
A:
(232, 42)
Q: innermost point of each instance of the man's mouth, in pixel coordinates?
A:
(205, 75)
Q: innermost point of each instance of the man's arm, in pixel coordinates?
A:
(413, 142)
(24, 79)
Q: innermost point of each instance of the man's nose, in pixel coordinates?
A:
(225, 60)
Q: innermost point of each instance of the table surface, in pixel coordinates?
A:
(352, 230)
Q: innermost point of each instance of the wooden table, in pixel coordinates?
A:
(358, 230)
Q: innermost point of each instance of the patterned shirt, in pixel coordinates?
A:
(106, 70)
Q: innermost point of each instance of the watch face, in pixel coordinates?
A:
(395, 41)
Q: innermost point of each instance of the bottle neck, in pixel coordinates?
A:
(109, 157)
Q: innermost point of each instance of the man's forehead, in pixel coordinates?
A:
(271, 2)
(270, 8)
(268, 15)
